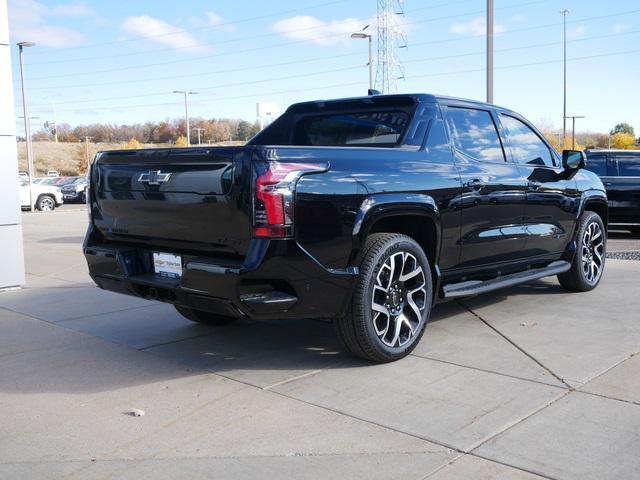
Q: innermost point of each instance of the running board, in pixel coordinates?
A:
(475, 287)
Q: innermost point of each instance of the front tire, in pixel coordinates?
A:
(588, 261)
(391, 300)
(45, 203)
(207, 318)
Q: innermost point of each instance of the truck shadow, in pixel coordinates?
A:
(120, 353)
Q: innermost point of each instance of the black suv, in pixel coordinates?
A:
(620, 173)
(366, 211)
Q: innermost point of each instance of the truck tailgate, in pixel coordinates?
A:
(199, 197)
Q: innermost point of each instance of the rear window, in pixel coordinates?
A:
(351, 129)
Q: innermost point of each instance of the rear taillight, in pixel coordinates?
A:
(275, 185)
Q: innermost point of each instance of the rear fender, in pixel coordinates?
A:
(385, 205)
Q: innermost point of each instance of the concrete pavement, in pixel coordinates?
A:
(528, 383)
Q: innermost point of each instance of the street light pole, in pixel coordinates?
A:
(55, 122)
(489, 51)
(27, 123)
(564, 14)
(199, 130)
(573, 133)
(186, 94)
(370, 64)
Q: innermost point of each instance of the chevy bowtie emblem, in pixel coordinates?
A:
(154, 177)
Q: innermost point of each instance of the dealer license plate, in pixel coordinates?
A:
(167, 264)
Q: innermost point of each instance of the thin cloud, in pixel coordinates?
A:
(620, 28)
(476, 27)
(578, 31)
(73, 10)
(319, 32)
(161, 32)
(30, 20)
(215, 20)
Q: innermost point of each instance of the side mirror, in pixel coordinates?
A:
(573, 159)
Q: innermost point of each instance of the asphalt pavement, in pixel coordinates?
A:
(527, 383)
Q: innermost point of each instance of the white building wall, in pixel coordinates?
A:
(11, 251)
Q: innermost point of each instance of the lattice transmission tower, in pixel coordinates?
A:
(391, 37)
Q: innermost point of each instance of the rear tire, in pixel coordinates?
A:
(46, 203)
(588, 262)
(391, 300)
(206, 318)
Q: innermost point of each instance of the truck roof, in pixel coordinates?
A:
(401, 99)
(612, 150)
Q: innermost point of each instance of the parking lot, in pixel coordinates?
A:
(531, 382)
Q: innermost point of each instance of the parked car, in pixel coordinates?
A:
(48, 180)
(44, 197)
(620, 173)
(62, 181)
(53, 173)
(366, 211)
(75, 191)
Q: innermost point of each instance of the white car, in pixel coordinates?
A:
(44, 197)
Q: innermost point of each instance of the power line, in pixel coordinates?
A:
(288, 77)
(457, 72)
(232, 84)
(431, 42)
(522, 47)
(208, 27)
(144, 52)
(206, 57)
(215, 72)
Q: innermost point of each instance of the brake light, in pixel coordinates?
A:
(273, 203)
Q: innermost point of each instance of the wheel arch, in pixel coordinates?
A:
(414, 215)
(595, 201)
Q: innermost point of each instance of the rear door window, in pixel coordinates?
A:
(597, 163)
(526, 146)
(352, 129)
(474, 134)
(628, 165)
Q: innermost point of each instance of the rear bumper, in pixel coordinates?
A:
(277, 279)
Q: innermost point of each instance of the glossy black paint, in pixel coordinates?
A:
(620, 174)
(475, 219)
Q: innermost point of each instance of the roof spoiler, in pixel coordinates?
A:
(371, 91)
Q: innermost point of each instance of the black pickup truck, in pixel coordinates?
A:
(619, 171)
(365, 211)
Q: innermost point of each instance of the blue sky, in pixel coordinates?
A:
(118, 62)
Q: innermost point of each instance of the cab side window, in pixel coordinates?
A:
(474, 134)
(628, 165)
(597, 163)
(526, 146)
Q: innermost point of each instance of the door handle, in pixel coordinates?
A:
(533, 185)
(607, 184)
(475, 184)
